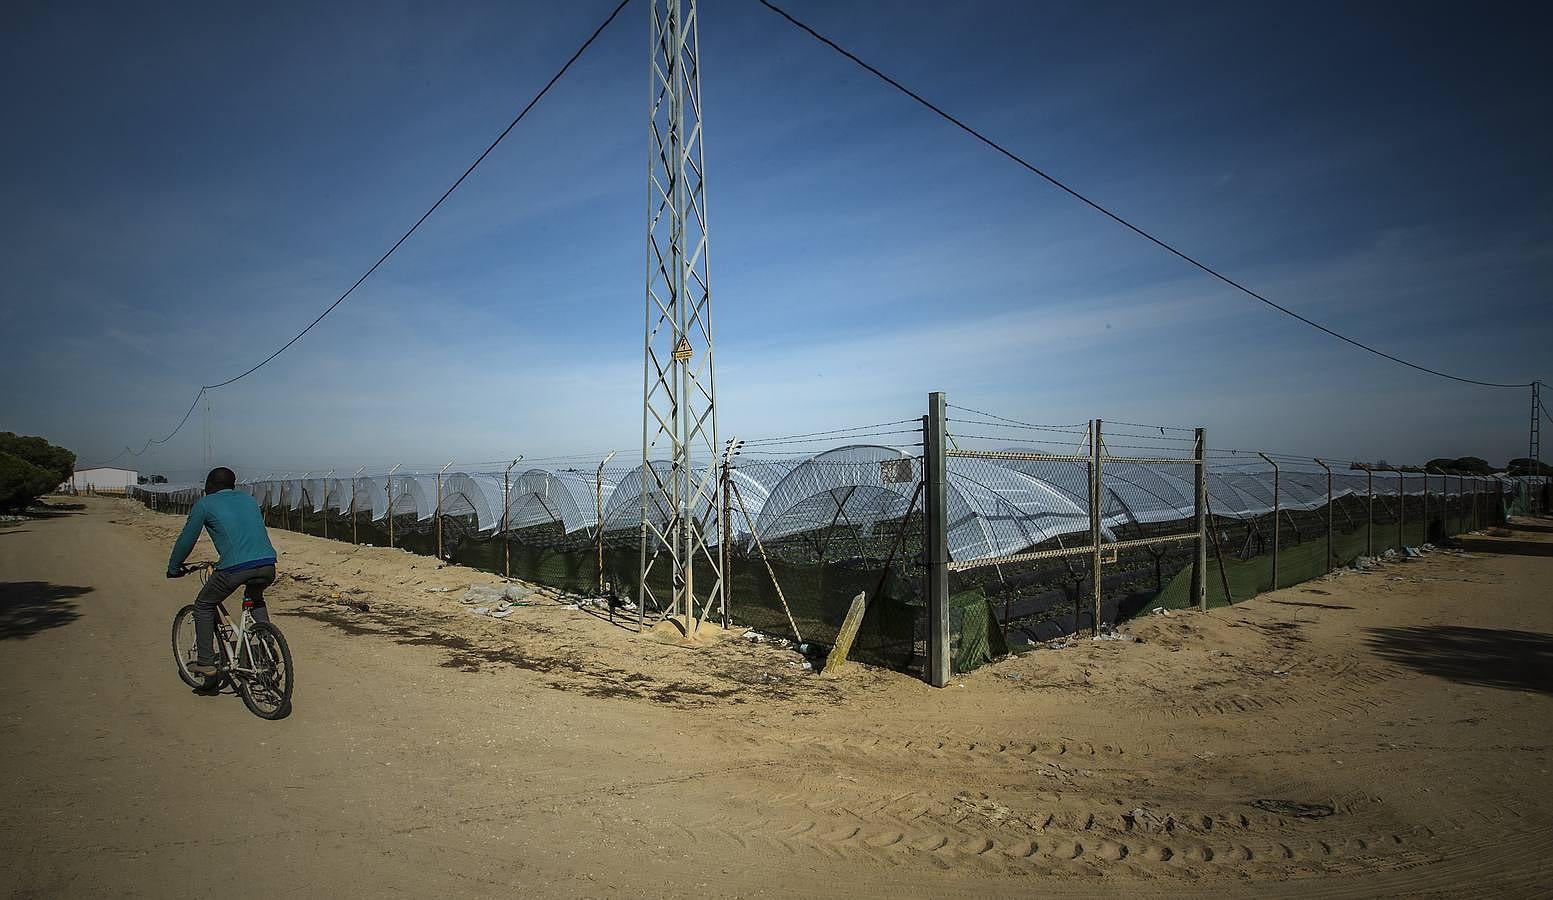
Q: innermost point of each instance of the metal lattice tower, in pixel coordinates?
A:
(679, 398)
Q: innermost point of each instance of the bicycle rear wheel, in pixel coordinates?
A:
(185, 652)
(267, 689)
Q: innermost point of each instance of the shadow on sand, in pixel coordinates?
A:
(28, 607)
(1490, 657)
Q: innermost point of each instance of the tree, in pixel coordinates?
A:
(57, 461)
(21, 482)
(29, 468)
(1524, 466)
(1466, 465)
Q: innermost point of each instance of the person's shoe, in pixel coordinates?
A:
(204, 668)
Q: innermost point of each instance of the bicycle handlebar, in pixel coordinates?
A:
(190, 568)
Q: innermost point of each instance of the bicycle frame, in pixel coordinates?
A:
(236, 647)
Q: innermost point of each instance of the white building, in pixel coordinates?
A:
(104, 479)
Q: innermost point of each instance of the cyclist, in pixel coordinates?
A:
(247, 558)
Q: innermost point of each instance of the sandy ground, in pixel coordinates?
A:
(1380, 734)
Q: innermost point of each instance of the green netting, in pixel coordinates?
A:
(1525, 502)
(818, 592)
(1037, 601)
(992, 606)
(1249, 577)
(1298, 562)
(975, 626)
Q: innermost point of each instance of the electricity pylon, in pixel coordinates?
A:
(679, 397)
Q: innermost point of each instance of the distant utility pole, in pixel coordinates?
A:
(1534, 451)
(679, 398)
(210, 441)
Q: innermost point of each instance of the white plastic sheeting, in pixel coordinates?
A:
(568, 496)
(995, 507)
(477, 495)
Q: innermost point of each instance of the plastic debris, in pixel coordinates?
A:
(502, 613)
(495, 593)
(481, 610)
(441, 590)
(1144, 819)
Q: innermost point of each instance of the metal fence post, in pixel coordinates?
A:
(1369, 515)
(305, 498)
(1200, 560)
(935, 472)
(327, 478)
(725, 523)
(1329, 512)
(506, 539)
(1270, 462)
(391, 504)
(1401, 513)
(354, 479)
(598, 525)
(1096, 481)
(439, 509)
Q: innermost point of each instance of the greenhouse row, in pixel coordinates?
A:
(995, 507)
(808, 533)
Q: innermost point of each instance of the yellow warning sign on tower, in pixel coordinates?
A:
(682, 351)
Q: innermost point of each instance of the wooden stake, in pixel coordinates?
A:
(738, 495)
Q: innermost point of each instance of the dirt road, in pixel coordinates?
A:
(1385, 734)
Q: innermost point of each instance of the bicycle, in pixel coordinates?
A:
(254, 655)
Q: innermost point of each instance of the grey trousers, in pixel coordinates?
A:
(217, 588)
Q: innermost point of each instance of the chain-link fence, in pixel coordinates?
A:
(978, 536)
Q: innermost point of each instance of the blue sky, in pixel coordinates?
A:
(189, 184)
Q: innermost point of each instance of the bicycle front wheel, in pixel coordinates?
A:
(185, 652)
(267, 689)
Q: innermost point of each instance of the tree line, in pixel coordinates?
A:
(1467, 465)
(29, 468)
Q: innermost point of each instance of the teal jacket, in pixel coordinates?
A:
(236, 528)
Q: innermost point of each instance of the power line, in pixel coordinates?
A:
(402, 238)
(1159, 242)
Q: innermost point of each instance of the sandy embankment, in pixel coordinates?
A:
(1376, 734)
